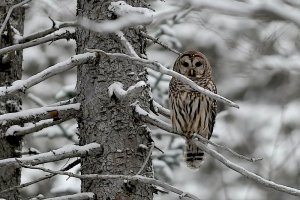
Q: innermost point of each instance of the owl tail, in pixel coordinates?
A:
(193, 155)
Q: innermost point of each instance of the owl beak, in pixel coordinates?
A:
(192, 73)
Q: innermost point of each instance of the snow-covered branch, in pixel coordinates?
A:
(17, 130)
(50, 38)
(246, 173)
(160, 68)
(161, 110)
(204, 140)
(22, 85)
(126, 44)
(64, 102)
(69, 151)
(146, 117)
(37, 114)
(42, 125)
(79, 196)
(128, 16)
(149, 118)
(139, 178)
(117, 89)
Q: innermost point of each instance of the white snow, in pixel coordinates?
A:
(121, 8)
(117, 89)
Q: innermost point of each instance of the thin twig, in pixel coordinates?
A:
(9, 13)
(147, 158)
(50, 38)
(204, 140)
(156, 40)
(160, 68)
(69, 166)
(56, 26)
(139, 178)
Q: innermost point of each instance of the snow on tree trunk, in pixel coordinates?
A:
(10, 70)
(109, 121)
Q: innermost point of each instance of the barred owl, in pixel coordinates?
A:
(191, 111)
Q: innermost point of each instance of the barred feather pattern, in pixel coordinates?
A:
(191, 111)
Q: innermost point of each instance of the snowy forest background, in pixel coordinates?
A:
(255, 60)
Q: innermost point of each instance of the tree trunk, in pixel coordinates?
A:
(10, 71)
(109, 121)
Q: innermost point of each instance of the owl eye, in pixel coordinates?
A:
(198, 64)
(185, 64)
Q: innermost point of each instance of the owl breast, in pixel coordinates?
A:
(190, 113)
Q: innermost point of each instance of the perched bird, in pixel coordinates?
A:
(191, 111)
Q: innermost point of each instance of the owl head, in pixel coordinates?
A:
(193, 64)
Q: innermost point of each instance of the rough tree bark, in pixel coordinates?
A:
(109, 121)
(10, 70)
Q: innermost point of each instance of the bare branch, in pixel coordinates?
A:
(160, 68)
(69, 166)
(9, 13)
(79, 196)
(23, 85)
(204, 140)
(37, 114)
(142, 179)
(155, 40)
(147, 158)
(246, 173)
(56, 36)
(69, 151)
